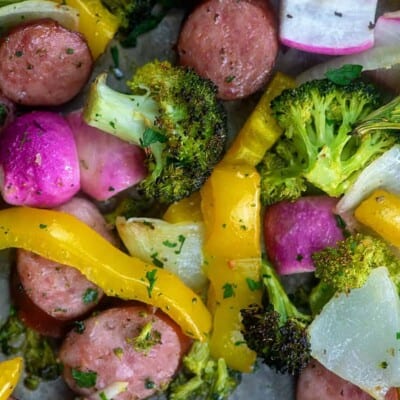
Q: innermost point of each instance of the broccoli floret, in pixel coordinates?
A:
(138, 16)
(203, 377)
(318, 147)
(40, 359)
(174, 115)
(348, 265)
(277, 332)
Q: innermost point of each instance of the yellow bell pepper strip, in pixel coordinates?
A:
(65, 239)
(381, 212)
(260, 131)
(96, 23)
(234, 285)
(10, 372)
(230, 205)
(231, 210)
(187, 209)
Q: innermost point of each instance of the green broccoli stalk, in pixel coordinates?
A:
(386, 117)
(202, 377)
(138, 16)
(278, 331)
(39, 355)
(348, 265)
(174, 115)
(318, 147)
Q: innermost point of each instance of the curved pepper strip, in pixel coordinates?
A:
(96, 23)
(230, 202)
(65, 239)
(10, 372)
(381, 212)
(260, 131)
(234, 285)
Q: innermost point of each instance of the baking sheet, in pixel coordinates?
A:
(159, 44)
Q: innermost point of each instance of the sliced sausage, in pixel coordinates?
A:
(109, 350)
(60, 290)
(317, 383)
(232, 42)
(43, 64)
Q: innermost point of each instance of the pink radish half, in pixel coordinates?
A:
(328, 27)
(381, 62)
(295, 230)
(108, 164)
(38, 161)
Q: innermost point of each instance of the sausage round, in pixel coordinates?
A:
(233, 43)
(106, 348)
(43, 64)
(316, 383)
(60, 290)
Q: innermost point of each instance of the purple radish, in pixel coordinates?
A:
(108, 164)
(38, 161)
(328, 27)
(295, 230)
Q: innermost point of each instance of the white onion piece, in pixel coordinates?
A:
(383, 56)
(29, 10)
(384, 172)
(178, 247)
(355, 335)
(327, 27)
(111, 391)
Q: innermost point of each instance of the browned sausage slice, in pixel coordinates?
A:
(43, 64)
(59, 290)
(232, 42)
(109, 349)
(317, 383)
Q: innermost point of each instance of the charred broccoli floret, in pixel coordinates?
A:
(277, 332)
(174, 115)
(348, 265)
(40, 359)
(318, 147)
(138, 16)
(203, 377)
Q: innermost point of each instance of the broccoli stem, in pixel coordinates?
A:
(278, 296)
(123, 115)
(385, 117)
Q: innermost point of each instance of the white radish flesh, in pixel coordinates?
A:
(328, 27)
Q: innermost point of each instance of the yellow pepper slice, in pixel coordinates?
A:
(187, 209)
(96, 23)
(230, 205)
(234, 286)
(381, 212)
(231, 209)
(63, 238)
(260, 131)
(10, 372)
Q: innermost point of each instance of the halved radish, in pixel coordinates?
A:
(328, 27)
(382, 59)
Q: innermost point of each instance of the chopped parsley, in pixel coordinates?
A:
(229, 290)
(90, 296)
(84, 379)
(253, 285)
(151, 278)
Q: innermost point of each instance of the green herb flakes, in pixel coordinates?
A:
(84, 379)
